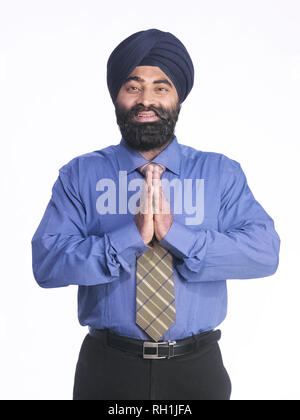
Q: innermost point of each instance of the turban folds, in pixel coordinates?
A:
(151, 48)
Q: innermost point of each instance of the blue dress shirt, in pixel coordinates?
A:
(80, 243)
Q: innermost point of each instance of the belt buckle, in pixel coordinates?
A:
(155, 346)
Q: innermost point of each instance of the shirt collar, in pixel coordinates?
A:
(129, 159)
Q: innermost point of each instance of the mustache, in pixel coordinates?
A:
(158, 111)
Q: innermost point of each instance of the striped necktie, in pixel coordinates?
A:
(155, 296)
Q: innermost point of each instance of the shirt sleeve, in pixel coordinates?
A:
(245, 245)
(64, 254)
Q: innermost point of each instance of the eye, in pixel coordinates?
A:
(162, 89)
(132, 88)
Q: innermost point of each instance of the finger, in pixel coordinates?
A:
(156, 196)
(150, 201)
(166, 208)
(156, 172)
(149, 175)
(144, 197)
(138, 205)
(161, 199)
(147, 192)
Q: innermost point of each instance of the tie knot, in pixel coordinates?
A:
(143, 169)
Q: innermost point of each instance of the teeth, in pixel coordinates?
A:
(143, 114)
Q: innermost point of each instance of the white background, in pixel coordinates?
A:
(54, 105)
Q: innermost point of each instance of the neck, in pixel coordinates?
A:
(151, 154)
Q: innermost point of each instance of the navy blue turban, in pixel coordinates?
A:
(151, 48)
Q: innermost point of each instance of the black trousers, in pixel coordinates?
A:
(107, 373)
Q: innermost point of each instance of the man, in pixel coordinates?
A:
(150, 230)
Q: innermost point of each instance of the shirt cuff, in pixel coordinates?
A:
(179, 240)
(127, 237)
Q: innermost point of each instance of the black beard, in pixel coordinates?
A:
(143, 136)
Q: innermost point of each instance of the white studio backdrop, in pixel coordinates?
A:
(54, 105)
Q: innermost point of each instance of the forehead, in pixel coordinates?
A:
(149, 73)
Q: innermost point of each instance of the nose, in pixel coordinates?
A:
(146, 98)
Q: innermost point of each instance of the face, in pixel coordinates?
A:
(147, 108)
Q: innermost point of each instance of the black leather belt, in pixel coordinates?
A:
(159, 350)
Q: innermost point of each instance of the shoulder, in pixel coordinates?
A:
(90, 161)
(216, 161)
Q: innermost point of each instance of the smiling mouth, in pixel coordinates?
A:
(146, 116)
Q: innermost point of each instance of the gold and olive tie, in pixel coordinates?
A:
(155, 296)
